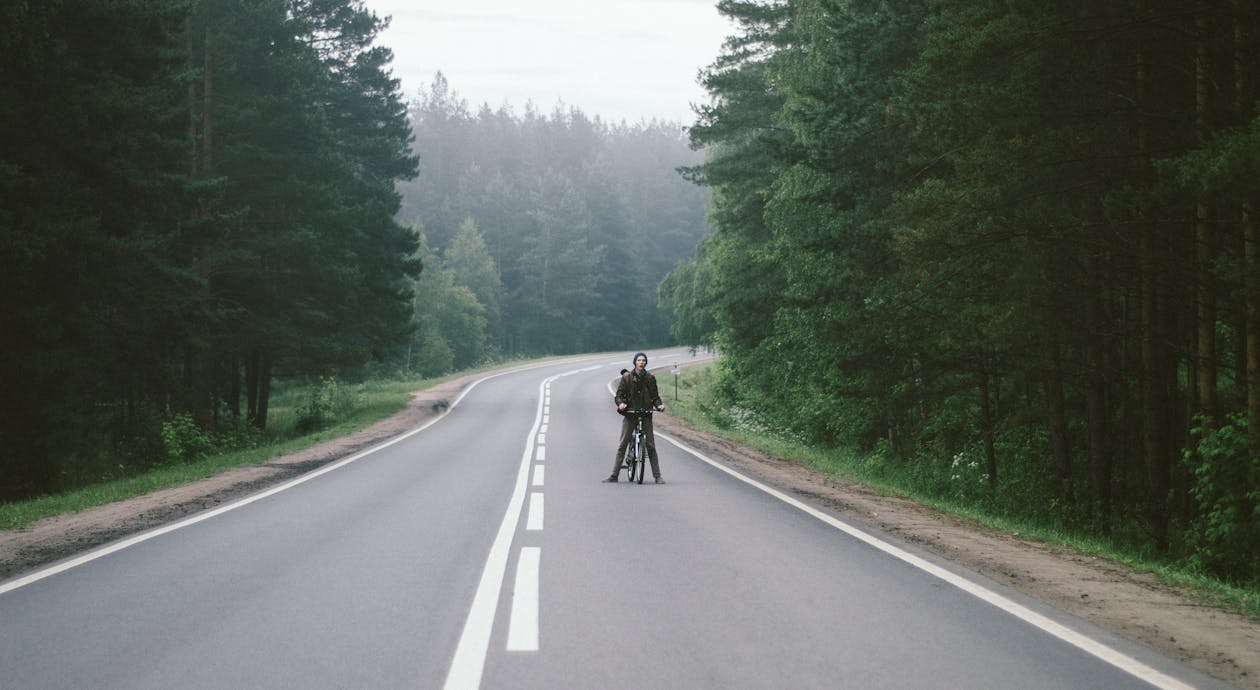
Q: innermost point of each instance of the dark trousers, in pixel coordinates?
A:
(627, 437)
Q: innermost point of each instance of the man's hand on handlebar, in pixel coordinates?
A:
(632, 410)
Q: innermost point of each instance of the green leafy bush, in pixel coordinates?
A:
(1224, 537)
(329, 402)
(183, 440)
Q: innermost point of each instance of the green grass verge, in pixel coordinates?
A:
(695, 399)
(368, 403)
(362, 405)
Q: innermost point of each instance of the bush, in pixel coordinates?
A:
(329, 402)
(1224, 537)
(183, 440)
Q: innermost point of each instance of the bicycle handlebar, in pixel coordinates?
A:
(638, 410)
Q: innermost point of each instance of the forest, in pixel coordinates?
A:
(1008, 247)
(545, 233)
(197, 197)
(204, 200)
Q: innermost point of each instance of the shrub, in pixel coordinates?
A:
(183, 440)
(1224, 537)
(329, 402)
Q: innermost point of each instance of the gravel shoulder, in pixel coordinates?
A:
(1129, 604)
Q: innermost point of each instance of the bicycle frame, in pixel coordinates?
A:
(637, 450)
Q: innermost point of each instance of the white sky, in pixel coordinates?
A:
(619, 59)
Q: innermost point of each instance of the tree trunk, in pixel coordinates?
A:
(1252, 260)
(1249, 359)
(1205, 361)
(251, 384)
(207, 158)
(986, 430)
(264, 389)
(234, 394)
(1056, 424)
(1152, 423)
(189, 64)
(1205, 240)
(1098, 420)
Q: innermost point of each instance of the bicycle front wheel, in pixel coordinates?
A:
(629, 462)
(640, 456)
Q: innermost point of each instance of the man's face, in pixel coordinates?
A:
(640, 363)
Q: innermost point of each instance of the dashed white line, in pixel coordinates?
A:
(523, 627)
(470, 654)
(535, 521)
(539, 471)
(541, 453)
(146, 536)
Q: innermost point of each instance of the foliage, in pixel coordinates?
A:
(329, 402)
(183, 439)
(451, 323)
(989, 240)
(956, 486)
(1225, 539)
(195, 197)
(560, 224)
(233, 446)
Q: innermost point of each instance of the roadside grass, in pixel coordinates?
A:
(356, 406)
(696, 401)
(366, 403)
(373, 401)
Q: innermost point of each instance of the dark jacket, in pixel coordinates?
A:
(638, 392)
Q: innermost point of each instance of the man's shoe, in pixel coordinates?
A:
(659, 480)
(610, 479)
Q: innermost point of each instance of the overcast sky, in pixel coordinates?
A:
(619, 59)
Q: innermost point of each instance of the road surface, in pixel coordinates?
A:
(482, 551)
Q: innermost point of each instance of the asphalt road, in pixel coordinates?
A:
(483, 551)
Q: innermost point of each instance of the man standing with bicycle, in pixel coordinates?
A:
(637, 391)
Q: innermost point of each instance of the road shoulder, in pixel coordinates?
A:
(1127, 603)
(1114, 597)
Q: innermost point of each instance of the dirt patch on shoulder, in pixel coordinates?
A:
(1129, 604)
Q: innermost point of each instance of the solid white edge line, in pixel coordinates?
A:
(115, 547)
(1114, 657)
(523, 629)
(201, 517)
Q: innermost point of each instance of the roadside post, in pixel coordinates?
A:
(675, 371)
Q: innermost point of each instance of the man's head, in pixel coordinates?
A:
(640, 362)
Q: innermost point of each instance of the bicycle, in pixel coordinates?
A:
(636, 453)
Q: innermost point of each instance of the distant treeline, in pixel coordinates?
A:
(1008, 245)
(547, 233)
(195, 197)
